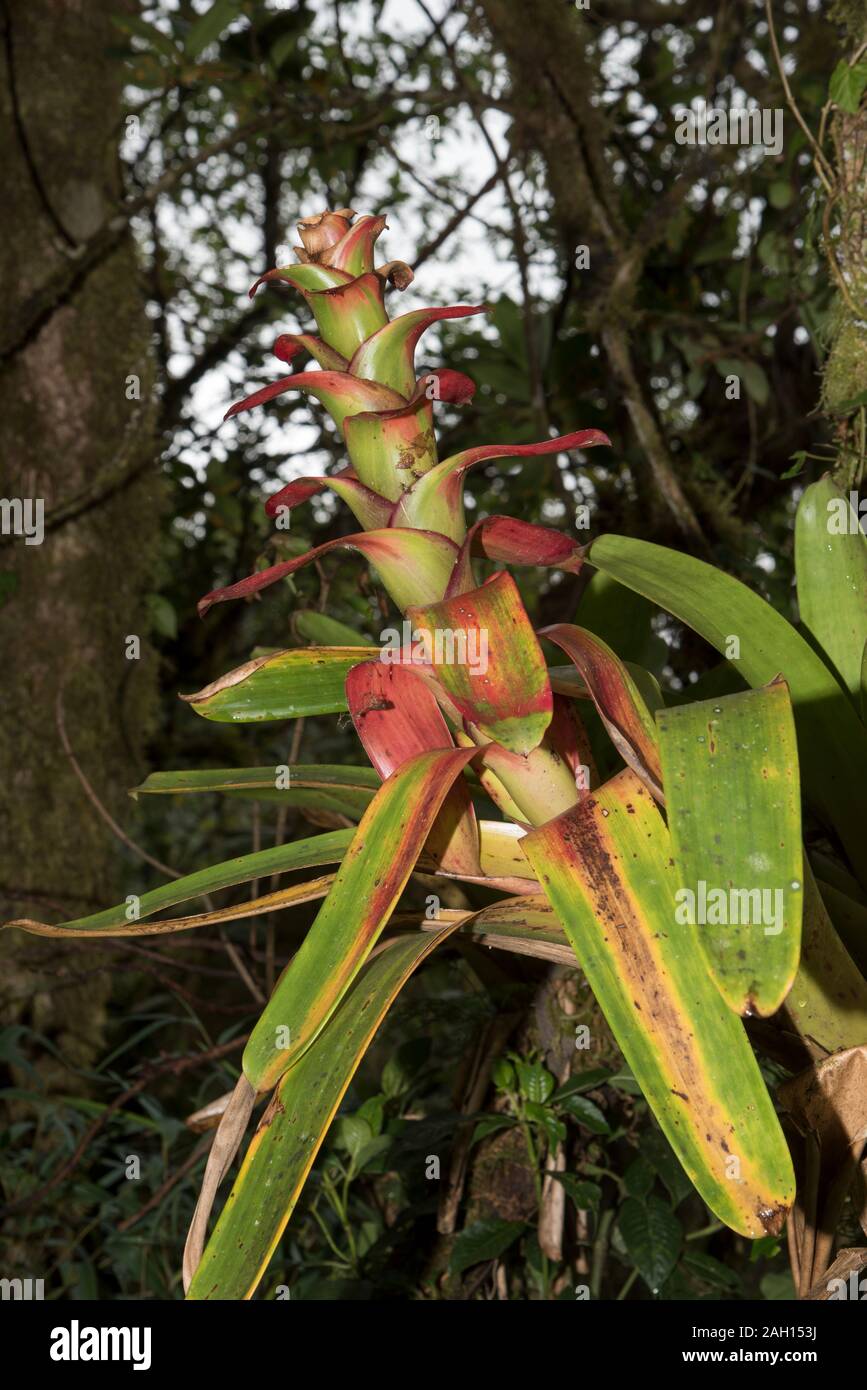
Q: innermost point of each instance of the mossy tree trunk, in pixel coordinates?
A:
(844, 374)
(76, 390)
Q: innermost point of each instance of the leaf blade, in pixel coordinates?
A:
(831, 569)
(730, 772)
(371, 877)
(256, 1212)
(831, 741)
(605, 867)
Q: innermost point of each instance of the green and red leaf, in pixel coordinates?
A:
(389, 354)
(512, 542)
(389, 449)
(414, 566)
(397, 717)
(831, 569)
(437, 499)
(353, 253)
(616, 696)
(341, 394)
(506, 695)
(288, 345)
(371, 510)
(368, 884)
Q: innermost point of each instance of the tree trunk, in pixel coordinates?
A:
(76, 389)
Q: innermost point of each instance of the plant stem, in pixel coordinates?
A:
(600, 1251)
(630, 1280)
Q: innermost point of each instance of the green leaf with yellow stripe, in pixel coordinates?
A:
(607, 868)
(369, 882)
(131, 917)
(294, 1125)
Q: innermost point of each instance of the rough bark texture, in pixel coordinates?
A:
(67, 422)
(844, 373)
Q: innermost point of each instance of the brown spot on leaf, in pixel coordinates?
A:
(773, 1219)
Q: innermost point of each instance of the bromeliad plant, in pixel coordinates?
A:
(680, 882)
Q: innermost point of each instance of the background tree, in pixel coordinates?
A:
(79, 414)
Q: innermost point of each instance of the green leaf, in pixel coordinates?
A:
(403, 1067)
(484, 1240)
(281, 685)
(552, 1127)
(154, 37)
(827, 1004)
(293, 1127)
(709, 1270)
(503, 1074)
(850, 922)
(831, 569)
(348, 790)
(327, 632)
(370, 1152)
(773, 252)
(373, 1111)
(210, 26)
(352, 1132)
(831, 741)
(607, 868)
(751, 374)
(492, 1124)
(587, 1113)
(586, 1195)
(653, 1236)
(639, 1177)
(740, 873)
(780, 194)
(372, 876)
(657, 1150)
(115, 921)
(799, 458)
(623, 620)
(852, 403)
(581, 1081)
(778, 1287)
(847, 85)
(535, 1081)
